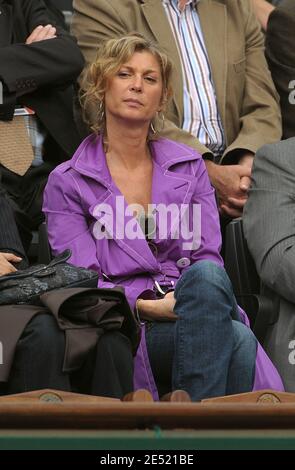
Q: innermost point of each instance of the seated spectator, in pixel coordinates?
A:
(33, 332)
(39, 61)
(225, 105)
(269, 227)
(110, 205)
(280, 37)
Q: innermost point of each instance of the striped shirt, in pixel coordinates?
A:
(37, 134)
(201, 116)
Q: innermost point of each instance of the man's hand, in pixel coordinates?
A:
(159, 310)
(246, 161)
(232, 183)
(41, 33)
(5, 266)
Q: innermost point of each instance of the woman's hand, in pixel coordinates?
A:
(5, 266)
(158, 310)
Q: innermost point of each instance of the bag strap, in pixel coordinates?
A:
(62, 258)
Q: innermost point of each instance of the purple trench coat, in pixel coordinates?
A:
(87, 213)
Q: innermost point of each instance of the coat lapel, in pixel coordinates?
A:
(110, 206)
(157, 20)
(169, 187)
(213, 18)
(112, 213)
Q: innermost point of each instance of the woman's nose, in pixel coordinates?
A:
(136, 84)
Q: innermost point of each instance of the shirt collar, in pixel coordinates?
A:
(190, 2)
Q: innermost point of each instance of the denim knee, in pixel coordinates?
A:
(206, 272)
(242, 367)
(244, 338)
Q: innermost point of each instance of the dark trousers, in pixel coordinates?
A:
(38, 362)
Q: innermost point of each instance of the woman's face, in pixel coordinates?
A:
(134, 94)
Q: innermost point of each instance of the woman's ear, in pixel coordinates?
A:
(163, 102)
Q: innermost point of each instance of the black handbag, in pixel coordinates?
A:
(26, 286)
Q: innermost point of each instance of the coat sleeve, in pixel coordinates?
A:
(67, 222)
(68, 227)
(260, 116)
(269, 222)
(27, 68)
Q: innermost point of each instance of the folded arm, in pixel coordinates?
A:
(47, 57)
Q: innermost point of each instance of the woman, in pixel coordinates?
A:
(140, 210)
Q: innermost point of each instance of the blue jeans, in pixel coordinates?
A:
(208, 352)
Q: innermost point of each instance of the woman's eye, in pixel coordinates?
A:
(151, 79)
(123, 74)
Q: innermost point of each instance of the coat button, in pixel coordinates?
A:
(183, 262)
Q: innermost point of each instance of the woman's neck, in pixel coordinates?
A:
(127, 146)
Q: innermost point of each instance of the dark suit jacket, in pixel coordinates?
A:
(269, 226)
(40, 75)
(280, 53)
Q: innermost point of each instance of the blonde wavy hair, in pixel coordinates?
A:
(111, 55)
